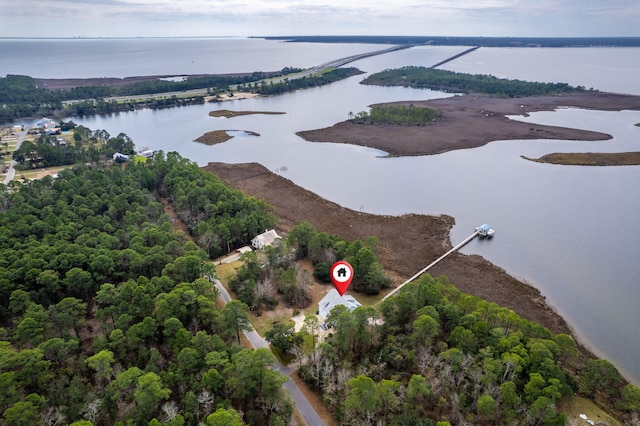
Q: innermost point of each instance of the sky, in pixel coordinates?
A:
(182, 18)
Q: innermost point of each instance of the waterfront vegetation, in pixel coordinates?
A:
(323, 249)
(400, 115)
(290, 85)
(449, 81)
(22, 97)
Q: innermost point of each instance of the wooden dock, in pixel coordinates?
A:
(432, 264)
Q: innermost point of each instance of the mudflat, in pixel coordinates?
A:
(470, 121)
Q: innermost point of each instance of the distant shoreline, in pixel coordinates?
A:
(70, 83)
(437, 40)
(469, 41)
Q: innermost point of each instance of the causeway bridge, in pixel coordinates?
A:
(455, 57)
(343, 61)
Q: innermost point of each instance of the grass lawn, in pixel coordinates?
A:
(27, 174)
(39, 173)
(226, 271)
(577, 405)
(367, 300)
(268, 319)
(161, 96)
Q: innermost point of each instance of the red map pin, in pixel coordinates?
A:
(341, 275)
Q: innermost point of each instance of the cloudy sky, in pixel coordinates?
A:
(107, 18)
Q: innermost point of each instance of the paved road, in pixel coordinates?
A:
(306, 410)
(12, 171)
(184, 93)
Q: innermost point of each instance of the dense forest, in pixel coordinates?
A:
(449, 81)
(323, 249)
(104, 313)
(399, 115)
(290, 85)
(100, 106)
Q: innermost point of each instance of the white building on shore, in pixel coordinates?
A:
(267, 238)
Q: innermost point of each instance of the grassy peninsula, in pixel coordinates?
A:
(590, 158)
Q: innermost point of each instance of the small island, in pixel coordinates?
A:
(590, 158)
(477, 114)
(229, 114)
(219, 136)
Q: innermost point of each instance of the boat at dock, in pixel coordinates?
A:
(485, 231)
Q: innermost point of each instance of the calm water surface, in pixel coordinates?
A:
(85, 58)
(572, 232)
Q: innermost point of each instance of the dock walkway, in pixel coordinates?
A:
(432, 264)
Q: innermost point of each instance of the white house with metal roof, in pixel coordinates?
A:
(267, 238)
(333, 299)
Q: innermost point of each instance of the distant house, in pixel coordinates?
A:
(53, 131)
(119, 157)
(146, 152)
(267, 238)
(333, 299)
(48, 126)
(46, 122)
